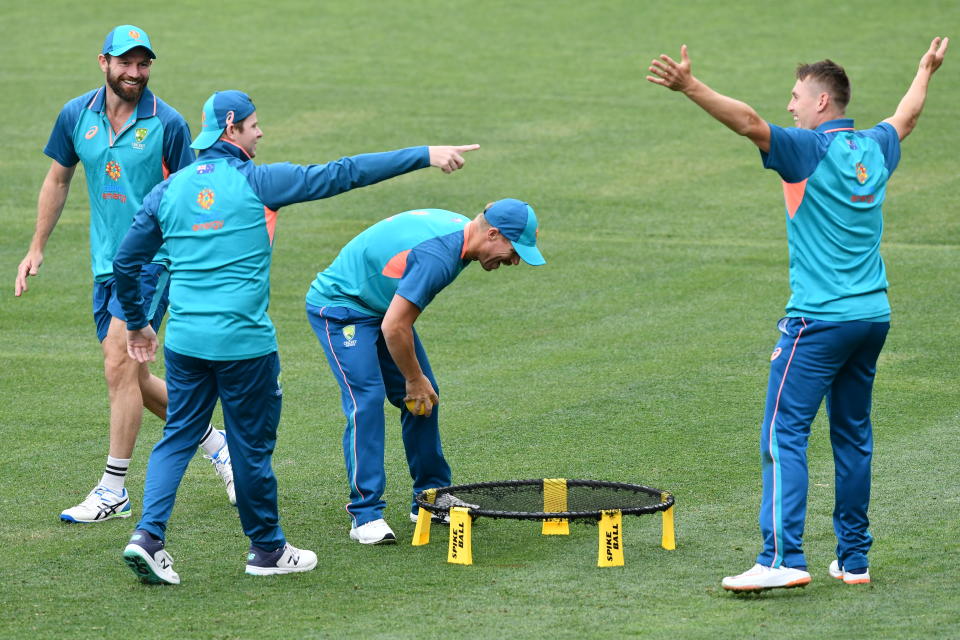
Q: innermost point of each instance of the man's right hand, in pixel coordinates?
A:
(422, 394)
(28, 267)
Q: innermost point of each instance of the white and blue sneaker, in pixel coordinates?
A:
(100, 504)
(147, 558)
(286, 559)
(221, 464)
(849, 578)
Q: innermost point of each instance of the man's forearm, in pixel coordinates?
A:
(738, 116)
(50, 203)
(908, 111)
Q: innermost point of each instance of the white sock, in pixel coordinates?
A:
(115, 473)
(212, 441)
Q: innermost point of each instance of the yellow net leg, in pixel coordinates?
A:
(555, 501)
(667, 539)
(610, 553)
(421, 534)
(461, 549)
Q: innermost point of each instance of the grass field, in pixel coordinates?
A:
(638, 353)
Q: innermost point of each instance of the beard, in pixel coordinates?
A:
(123, 91)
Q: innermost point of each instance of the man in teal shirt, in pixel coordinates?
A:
(834, 183)
(216, 219)
(128, 141)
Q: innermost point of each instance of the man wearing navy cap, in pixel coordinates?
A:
(363, 307)
(216, 219)
(128, 141)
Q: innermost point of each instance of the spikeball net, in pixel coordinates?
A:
(554, 501)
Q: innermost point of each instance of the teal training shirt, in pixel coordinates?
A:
(120, 167)
(834, 184)
(414, 254)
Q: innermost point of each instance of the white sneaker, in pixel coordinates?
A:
(373, 532)
(221, 463)
(147, 558)
(849, 578)
(286, 559)
(100, 504)
(760, 578)
(435, 518)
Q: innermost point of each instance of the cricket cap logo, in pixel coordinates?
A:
(134, 34)
(113, 170)
(205, 198)
(861, 173)
(140, 134)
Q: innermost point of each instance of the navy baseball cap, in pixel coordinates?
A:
(125, 37)
(220, 109)
(517, 222)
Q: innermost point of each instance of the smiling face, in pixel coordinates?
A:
(127, 75)
(496, 250)
(246, 134)
(808, 100)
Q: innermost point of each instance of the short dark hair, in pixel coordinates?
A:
(831, 76)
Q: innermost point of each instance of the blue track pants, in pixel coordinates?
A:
(358, 356)
(815, 359)
(249, 392)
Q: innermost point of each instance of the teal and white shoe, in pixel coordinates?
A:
(99, 505)
(147, 558)
(221, 464)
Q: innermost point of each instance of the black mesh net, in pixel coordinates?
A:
(547, 498)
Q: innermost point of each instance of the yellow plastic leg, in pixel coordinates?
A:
(555, 501)
(610, 553)
(421, 534)
(667, 539)
(461, 549)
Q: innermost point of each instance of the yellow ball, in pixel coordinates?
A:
(412, 408)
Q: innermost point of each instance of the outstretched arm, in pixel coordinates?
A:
(53, 195)
(736, 115)
(911, 105)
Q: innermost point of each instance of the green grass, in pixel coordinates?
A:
(638, 354)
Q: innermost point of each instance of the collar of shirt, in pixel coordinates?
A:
(222, 148)
(146, 107)
(839, 123)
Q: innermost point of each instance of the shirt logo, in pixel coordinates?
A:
(205, 199)
(205, 168)
(113, 169)
(861, 173)
(349, 332)
(140, 134)
(92, 131)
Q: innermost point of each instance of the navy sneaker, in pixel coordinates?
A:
(147, 558)
(286, 559)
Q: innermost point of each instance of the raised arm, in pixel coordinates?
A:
(53, 195)
(736, 115)
(911, 105)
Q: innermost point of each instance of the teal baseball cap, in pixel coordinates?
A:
(517, 222)
(125, 37)
(221, 109)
